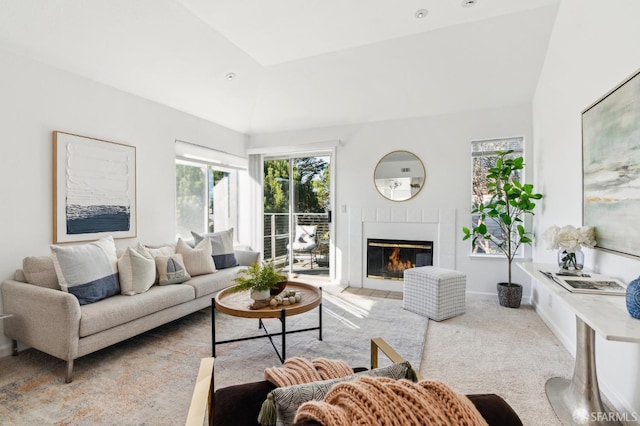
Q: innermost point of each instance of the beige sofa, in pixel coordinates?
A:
(54, 322)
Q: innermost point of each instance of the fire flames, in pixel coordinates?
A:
(397, 265)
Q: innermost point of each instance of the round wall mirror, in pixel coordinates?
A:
(399, 175)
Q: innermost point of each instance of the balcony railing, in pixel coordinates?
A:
(277, 233)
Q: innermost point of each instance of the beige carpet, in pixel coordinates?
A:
(148, 380)
(492, 349)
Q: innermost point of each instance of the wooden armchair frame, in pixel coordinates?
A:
(199, 412)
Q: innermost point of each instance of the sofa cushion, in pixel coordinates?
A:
(136, 270)
(19, 276)
(198, 259)
(40, 271)
(221, 247)
(121, 309)
(88, 271)
(211, 283)
(171, 269)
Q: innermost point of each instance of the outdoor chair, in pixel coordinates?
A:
(305, 242)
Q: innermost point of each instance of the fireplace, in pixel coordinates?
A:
(387, 259)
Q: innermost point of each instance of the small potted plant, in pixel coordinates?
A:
(261, 279)
(510, 202)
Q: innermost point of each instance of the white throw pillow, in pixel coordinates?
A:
(137, 270)
(88, 271)
(197, 260)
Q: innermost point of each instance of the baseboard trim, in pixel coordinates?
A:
(488, 295)
(6, 350)
(568, 343)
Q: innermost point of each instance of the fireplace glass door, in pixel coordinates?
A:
(387, 259)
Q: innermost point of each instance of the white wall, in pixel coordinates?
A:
(594, 47)
(36, 100)
(443, 144)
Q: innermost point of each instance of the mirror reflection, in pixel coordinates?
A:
(399, 175)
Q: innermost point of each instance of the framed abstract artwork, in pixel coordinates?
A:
(94, 189)
(611, 168)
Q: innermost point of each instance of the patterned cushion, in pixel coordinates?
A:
(221, 247)
(136, 270)
(88, 271)
(171, 269)
(197, 260)
(289, 398)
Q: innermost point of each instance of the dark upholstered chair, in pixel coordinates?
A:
(239, 405)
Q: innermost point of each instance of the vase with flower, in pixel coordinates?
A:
(569, 241)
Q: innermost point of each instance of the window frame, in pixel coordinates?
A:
(233, 192)
(515, 143)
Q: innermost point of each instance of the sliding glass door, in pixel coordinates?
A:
(297, 213)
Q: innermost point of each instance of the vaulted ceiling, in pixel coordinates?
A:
(295, 63)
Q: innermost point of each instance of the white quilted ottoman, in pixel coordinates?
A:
(434, 292)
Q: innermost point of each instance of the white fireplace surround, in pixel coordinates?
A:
(428, 224)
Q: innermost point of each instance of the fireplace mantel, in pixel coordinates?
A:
(432, 224)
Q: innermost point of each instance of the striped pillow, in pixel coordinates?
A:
(88, 271)
(197, 260)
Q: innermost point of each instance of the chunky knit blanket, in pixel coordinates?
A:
(383, 401)
(296, 371)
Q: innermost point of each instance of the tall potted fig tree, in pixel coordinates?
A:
(501, 218)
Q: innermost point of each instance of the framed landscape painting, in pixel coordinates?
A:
(94, 189)
(611, 168)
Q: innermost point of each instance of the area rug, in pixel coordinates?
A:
(149, 379)
(350, 321)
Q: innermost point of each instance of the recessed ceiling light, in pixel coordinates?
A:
(421, 13)
(231, 76)
(468, 3)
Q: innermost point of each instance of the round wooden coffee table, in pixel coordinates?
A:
(237, 305)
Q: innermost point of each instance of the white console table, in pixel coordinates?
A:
(575, 400)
